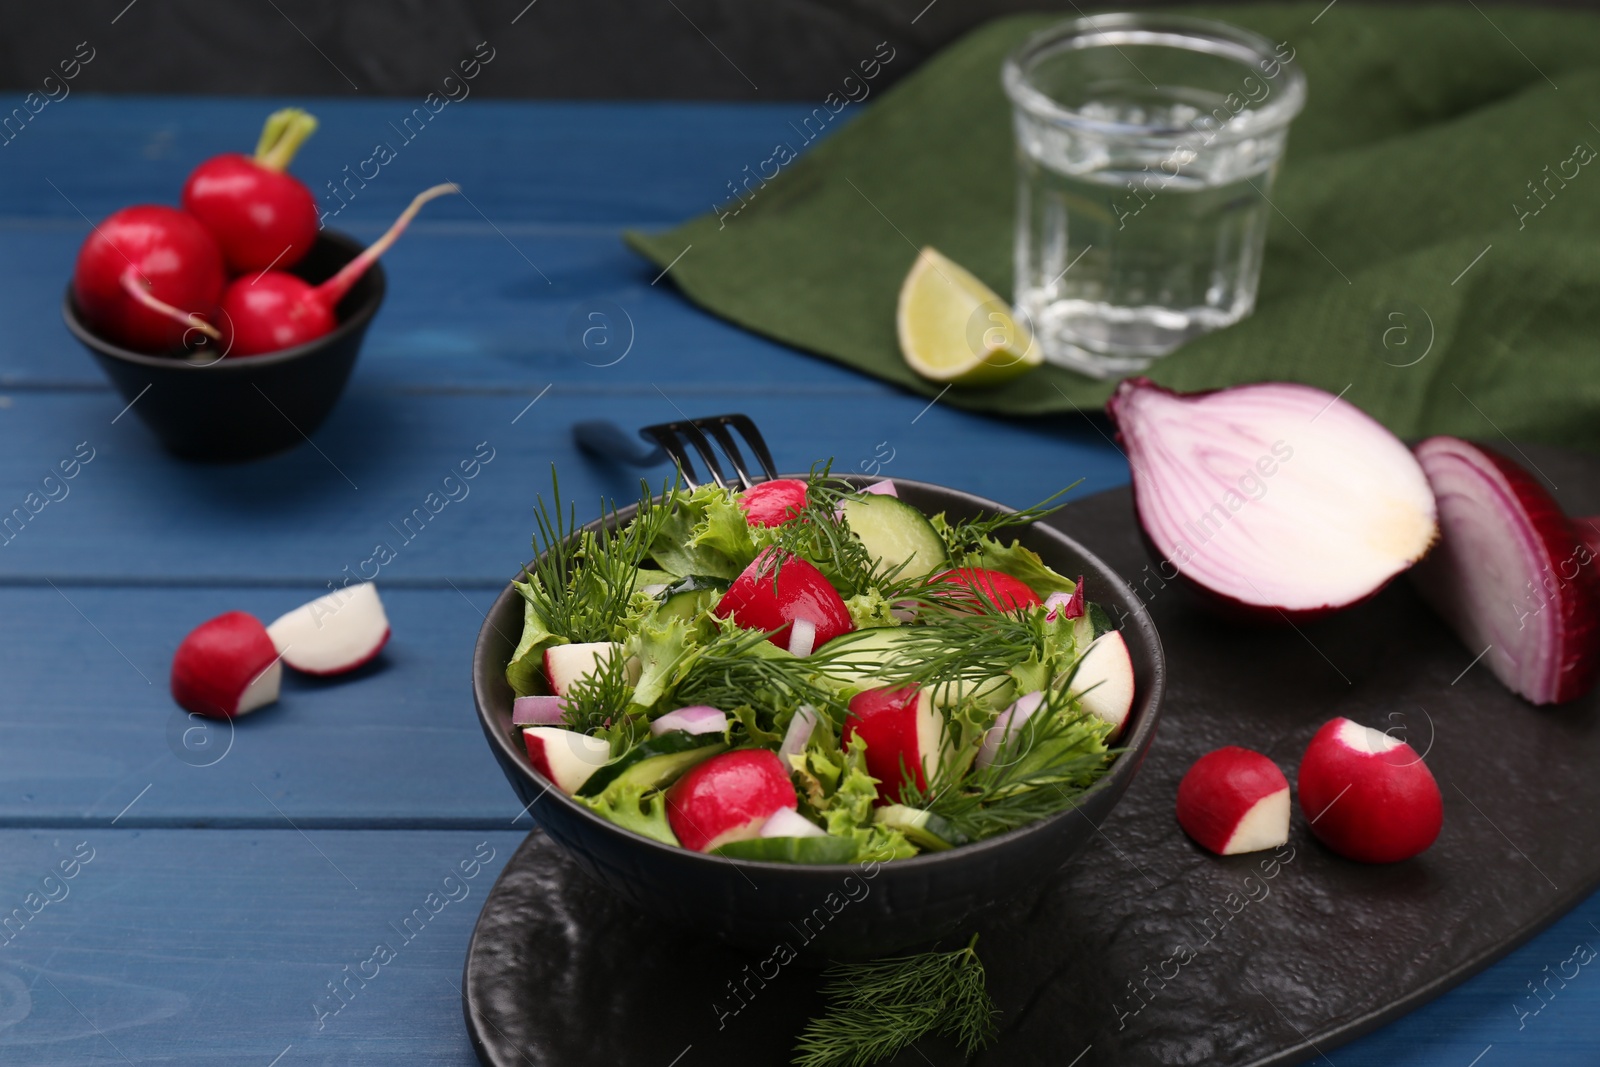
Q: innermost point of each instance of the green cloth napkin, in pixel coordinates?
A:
(1406, 230)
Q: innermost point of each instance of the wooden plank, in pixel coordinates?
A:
(206, 948)
(135, 515)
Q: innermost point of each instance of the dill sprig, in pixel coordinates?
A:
(820, 535)
(876, 1009)
(582, 580)
(600, 698)
(734, 670)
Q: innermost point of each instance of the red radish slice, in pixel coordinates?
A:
(565, 757)
(790, 823)
(1367, 795)
(1234, 800)
(904, 734)
(802, 638)
(564, 665)
(1512, 574)
(334, 633)
(538, 711)
(798, 736)
(695, 719)
(1278, 500)
(769, 597)
(226, 667)
(979, 587)
(883, 488)
(1007, 724)
(1065, 605)
(773, 503)
(1103, 682)
(729, 797)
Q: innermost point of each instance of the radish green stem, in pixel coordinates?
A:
(134, 287)
(334, 288)
(285, 131)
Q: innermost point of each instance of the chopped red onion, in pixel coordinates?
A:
(695, 719)
(1277, 499)
(538, 711)
(1065, 605)
(883, 488)
(798, 735)
(1007, 723)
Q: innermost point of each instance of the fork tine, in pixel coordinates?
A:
(702, 445)
(665, 435)
(716, 428)
(758, 445)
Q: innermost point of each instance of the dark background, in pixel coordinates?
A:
(596, 49)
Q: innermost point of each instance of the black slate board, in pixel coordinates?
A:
(559, 973)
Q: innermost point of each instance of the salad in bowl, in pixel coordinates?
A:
(812, 671)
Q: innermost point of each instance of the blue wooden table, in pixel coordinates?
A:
(219, 884)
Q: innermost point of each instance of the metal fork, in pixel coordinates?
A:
(674, 440)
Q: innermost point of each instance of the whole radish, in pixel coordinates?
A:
(274, 310)
(145, 275)
(260, 216)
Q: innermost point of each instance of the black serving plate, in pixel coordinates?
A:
(1137, 955)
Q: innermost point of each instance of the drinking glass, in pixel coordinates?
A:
(1146, 150)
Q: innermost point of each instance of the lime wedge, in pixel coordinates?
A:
(953, 328)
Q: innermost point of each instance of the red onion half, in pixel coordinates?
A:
(1512, 574)
(1277, 499)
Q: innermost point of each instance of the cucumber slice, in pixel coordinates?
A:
(688, 597)
(790, 849)
(922, 828)
(653, 763)
(896, 533)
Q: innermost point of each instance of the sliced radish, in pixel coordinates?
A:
(802, 638)
(798, 736)
(226, 667)
(566, 757)
(1278, 500)
(790, 823)
(1367, 795)
(979, 587)
(1234, 800)
(1512, 574)
(538, 711)
(1006, 725)
(334, 633)
(1103, 682)
(773, 503)
(729, 797)
(904, 734)
(1065, 605)
(770, 597)
(565, 664)
(695, 719)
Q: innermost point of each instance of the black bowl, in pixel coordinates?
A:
(243, 408)
(845, 911)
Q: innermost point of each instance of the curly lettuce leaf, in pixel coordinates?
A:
(525, 672)
(662, 647)
(870, 609)
(635, 808)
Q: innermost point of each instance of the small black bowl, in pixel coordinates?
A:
(844, 911)
(244, 408)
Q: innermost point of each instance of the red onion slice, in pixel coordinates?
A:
(1007, 723)
(1065, 605)
(538, 711)
(883, 488)
(1512, 575)
(1277, 499)
(802, 637)
(695, 719)
(798, 735)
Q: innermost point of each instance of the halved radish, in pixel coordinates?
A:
(226, 666)
(978, 587)
(566, 757)
(790, 823)
(770, 596)
(1367, 795)
(1104, 680)
(729, 797)
(904, 734)
(773, 503)
(565, 664)
(1234, 800)
(1512, 574)
(334, 633)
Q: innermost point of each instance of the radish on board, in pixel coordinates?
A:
(335, 633)
(771, 596)
(565, 757)
(226, 667)
(260, 215)
(1512, 575)
(904, 735)
(729, 797)
(1367, 795)
(1278, 501)
(1233, 800)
